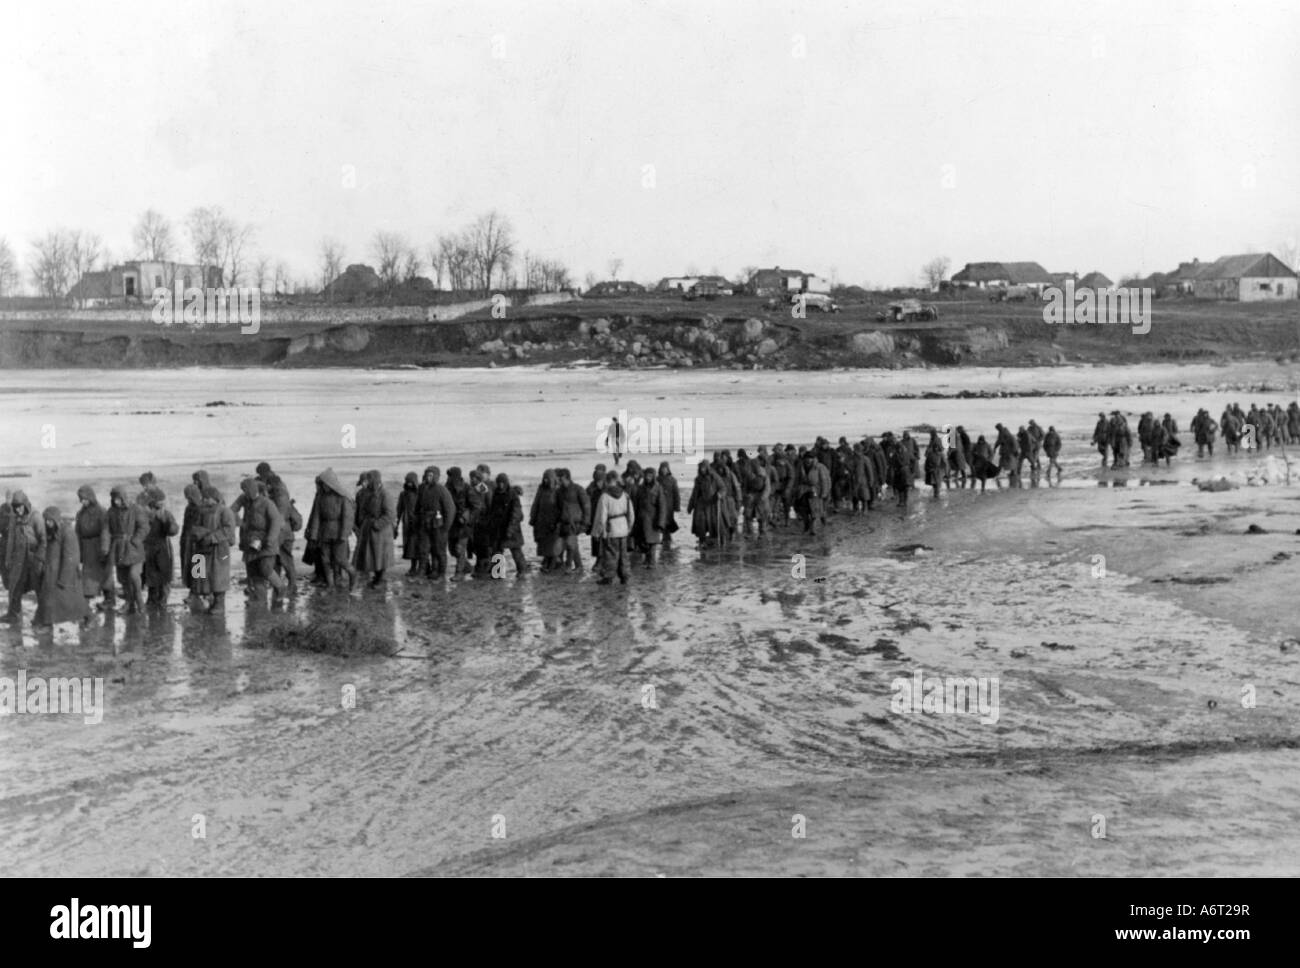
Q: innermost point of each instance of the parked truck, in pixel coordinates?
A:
(702, 290)
(907, 311)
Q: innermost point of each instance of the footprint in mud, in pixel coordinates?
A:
(841, 643)
(783, 651)
(905, 625)
(887, 649)
(526, 680)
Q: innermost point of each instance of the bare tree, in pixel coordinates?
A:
(410, 265)
(204, 226)
(588, 281)
(281, 278)
(437, 263)
(615, 266)
(458, 258)
(235, 237)
(331, 258)
(51, 265)
(261, 272)
(555, 276)
(8, 268)
(153, 237)
(492, 247)
(218, 240)
(388, 249)
(447, 259)
(934, 271)
(1289, 253)
(84, 250)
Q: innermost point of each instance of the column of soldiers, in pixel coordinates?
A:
(471, 526)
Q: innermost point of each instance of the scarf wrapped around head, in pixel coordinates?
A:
(52, 517)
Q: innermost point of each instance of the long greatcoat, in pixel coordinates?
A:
(435, 510)
(672, 499)
(544, 516)
(900, 477)
(127, 525)
(261, 524)
(982, 464)
(376, 516)
(92, 538)
(705, 503)
(333, 515)
(190, 517)
(935, 464)
(24, 547)
(506, 515)
(407, 516)
(60, 598)
(574, 509)
(159, 560)
(732, 497)
(1007, 449)
(213, 536)
(478, 509)
(651, 516)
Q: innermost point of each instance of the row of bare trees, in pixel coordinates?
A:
(215, 239)
(545, 275)
(478, 258)
(60, 258)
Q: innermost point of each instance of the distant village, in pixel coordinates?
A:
(1250, 277)
(70, 269)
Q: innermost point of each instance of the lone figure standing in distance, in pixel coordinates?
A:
(614, 440)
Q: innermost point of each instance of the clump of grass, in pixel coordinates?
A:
(345, 635)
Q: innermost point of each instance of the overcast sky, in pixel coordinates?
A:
(860, 139)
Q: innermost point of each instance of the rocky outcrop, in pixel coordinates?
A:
(668, 339)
